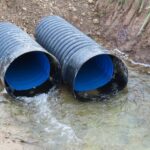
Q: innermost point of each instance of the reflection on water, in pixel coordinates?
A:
(58, 121)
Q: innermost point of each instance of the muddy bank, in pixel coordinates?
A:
(8, 141)
(114, 24)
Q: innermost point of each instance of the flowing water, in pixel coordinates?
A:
(57, 121)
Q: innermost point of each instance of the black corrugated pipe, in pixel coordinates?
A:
(86, 66)
(26, 69)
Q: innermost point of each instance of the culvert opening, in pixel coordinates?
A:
(28, 71)
(95, 73)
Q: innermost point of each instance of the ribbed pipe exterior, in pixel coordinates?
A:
(13, 43)
(69, 45)
(63, 40)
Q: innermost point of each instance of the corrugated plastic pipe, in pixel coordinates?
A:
(86, 66)
(26, 69)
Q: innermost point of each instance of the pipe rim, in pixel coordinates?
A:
(101, 79)
(39, 89)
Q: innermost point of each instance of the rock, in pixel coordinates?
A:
(90, 1)
(96, 20)
(83, 14)
(24, 8)
(2, 17)
(74, 9)
(75, 19)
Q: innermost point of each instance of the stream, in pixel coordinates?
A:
(57, 121)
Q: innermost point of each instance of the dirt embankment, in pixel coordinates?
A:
(114, 24)
(127, 26)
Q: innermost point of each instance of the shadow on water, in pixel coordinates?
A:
(57, 121)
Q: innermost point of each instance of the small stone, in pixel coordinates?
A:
(24, 8)
(75, 18)
(19, 13)
(44, 5)
(70, 4)
(2, 17)
(96, 21)
(83, 14)
(74, 9)
(70, 8)
(90, 1)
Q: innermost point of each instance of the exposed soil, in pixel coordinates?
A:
(121, 26)
(114, 25)
(110, 23)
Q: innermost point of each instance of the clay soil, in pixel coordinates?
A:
(112, 24)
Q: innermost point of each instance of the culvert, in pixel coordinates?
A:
(86, 66)
(26, 69)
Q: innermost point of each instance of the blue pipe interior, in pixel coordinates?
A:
(94, 74)
(28, 71)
